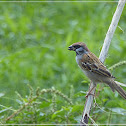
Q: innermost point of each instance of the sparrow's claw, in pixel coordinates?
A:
(89, 93)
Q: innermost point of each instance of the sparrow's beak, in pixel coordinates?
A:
(71, 48)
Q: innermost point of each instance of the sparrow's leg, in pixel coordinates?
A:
(89, 93)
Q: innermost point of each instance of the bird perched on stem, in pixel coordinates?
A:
(93, 68)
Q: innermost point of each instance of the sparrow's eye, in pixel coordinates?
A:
(77, 46)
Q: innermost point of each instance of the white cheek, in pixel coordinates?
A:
(77, 60)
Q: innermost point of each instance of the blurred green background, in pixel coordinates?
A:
(34, 40)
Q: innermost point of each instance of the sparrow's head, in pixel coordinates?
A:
(79, 47)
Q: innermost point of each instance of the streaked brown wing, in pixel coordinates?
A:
(94, 65)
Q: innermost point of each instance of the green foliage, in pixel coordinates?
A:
(36, 108)
(34, 38)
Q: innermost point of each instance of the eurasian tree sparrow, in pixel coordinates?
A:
(93, 68)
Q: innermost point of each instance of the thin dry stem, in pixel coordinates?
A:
(32, 98)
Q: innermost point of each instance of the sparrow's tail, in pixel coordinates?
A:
(114, 86)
